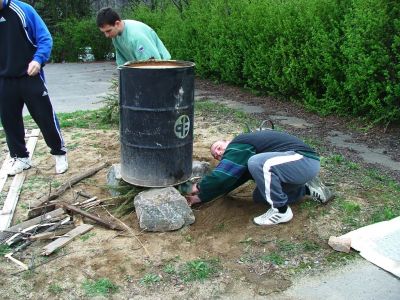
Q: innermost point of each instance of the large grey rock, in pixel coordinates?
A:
(163, 209)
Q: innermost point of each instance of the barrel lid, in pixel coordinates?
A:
(157, 64)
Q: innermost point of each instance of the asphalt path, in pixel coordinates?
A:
(78, 86)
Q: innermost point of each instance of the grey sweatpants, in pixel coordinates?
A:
(281, 176)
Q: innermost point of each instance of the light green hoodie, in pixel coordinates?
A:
(138, 42)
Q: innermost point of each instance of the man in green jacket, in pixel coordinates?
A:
(283, 167)
(133, 40)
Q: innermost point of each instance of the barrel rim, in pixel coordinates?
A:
(178, 64)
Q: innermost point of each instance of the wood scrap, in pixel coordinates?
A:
(13, 194)
(62, 241)
(77, 210)
(21, 226)
(50, 235)
(20, 263)
(73, 180)
(40, 210)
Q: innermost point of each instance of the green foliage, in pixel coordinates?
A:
(150, 279)
(334, 56)
(72, 35)
(102, 287)
(4, 249)
(273, 258)
(199, 269)
(55, 289)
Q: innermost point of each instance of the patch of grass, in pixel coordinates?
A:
(150, 279)
(385, 214)
(310, 246)
(169, 269)
(188, 238)
(55, 289)
(247, 241)
(87, 236)
(220, 227)
(286, 246)
(4, 249)
(80, 119)
(336, 159)
(102, 287)
(350, 207)
(199, 269)
(274, 258)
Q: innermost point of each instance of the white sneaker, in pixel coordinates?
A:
(318, 191)
(273, 217)
(61, 163)
(18, 164)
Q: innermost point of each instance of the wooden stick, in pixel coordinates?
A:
(75, 179)
(91, 216)
(130, 230)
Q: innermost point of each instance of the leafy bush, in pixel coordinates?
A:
(72, 35)
(333, 56)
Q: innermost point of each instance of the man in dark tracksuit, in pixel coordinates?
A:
(283, 167)
(26, 44)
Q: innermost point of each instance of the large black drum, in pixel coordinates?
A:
(156, 122)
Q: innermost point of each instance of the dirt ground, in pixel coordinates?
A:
(223, 229)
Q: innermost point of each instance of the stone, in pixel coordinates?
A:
(341, 244)
(200, 168)
(114, 179)
(162, 209)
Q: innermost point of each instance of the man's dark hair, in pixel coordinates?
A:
(107, 16)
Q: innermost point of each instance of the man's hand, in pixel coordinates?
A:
(33, 68)
(195, 190)
(192, 199)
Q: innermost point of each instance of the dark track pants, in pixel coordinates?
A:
(31, 91)
(281, 176)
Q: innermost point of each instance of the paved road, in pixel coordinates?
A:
(79, 86)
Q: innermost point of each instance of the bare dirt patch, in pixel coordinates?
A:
(252, 261)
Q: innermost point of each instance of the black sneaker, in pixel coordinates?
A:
(318, 191)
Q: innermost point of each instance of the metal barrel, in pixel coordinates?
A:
(156, 122)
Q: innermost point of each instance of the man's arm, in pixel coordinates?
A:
(229, 173)
(40, 36)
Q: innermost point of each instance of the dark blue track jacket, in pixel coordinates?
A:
(23, 37)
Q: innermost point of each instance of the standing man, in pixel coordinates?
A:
(283, 167)
(133, 40)
(25, 47)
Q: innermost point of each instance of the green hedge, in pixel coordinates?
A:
(333, 56)
(72, 35)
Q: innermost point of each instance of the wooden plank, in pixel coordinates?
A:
(4, 168)
(3, 171)
(62, 241)
(46, 217)
(13, 194)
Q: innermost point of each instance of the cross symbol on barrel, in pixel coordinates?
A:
(182, 126)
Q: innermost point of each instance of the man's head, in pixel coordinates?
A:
(217, 149)
(109, 22)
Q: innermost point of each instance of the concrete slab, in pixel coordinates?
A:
(360, 280)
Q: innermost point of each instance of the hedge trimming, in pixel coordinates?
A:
(335, 56)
